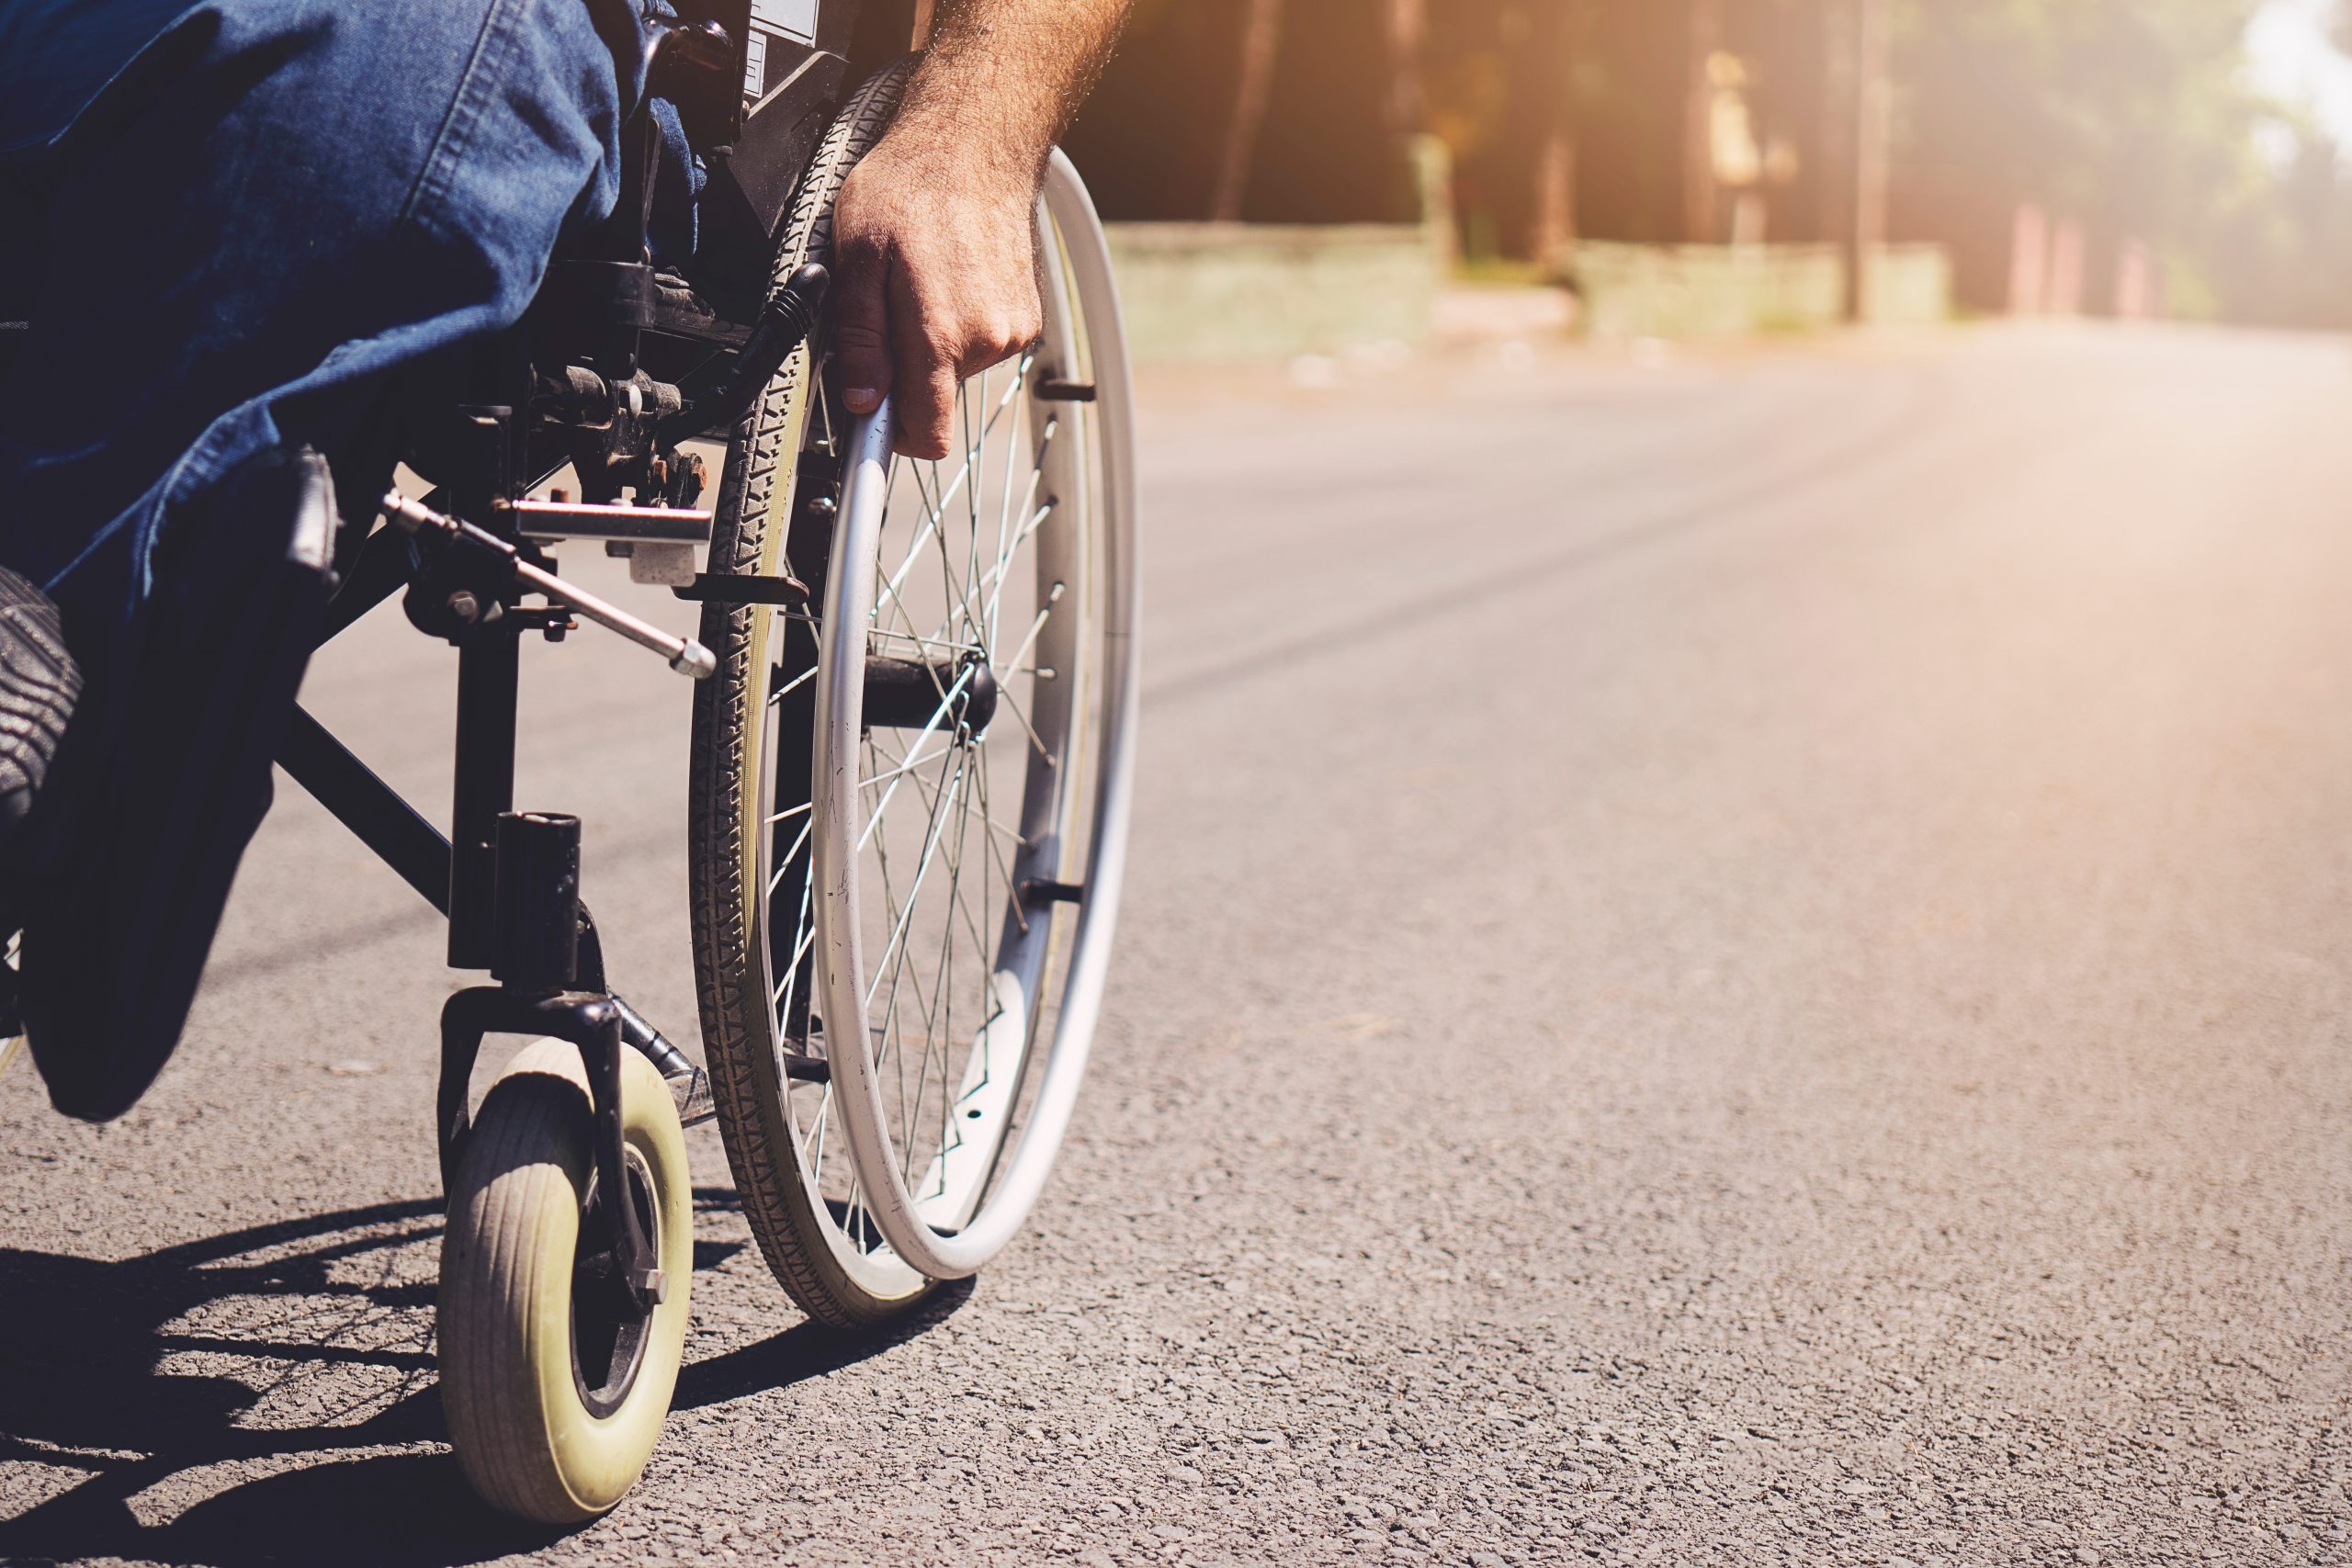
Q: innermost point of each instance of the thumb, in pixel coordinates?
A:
(862, 326)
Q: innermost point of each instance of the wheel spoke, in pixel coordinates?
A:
(1028, 529)
(804, 937)
(777, 693)
(996, 827)
(994, 860)
(883, 804)
(906, 767)
(1005, 703)
(1030, 641)
(922, 867)
(1008, 544)
(783, 863)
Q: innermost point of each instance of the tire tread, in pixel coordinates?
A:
(481, 1386)
(737, 1034)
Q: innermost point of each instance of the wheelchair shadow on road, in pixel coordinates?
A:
(248, 1397)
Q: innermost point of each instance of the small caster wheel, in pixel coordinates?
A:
(556, 1389)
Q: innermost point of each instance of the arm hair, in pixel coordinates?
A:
(1001, 79)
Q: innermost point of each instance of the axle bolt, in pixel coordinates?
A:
(465, 607)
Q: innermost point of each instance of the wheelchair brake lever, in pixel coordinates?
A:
(686, 656)
(788, 320)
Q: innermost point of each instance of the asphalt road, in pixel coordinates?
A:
(1731, 959)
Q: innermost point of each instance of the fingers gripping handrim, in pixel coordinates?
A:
(862, 327)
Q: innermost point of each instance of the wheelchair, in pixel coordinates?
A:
(914, 691)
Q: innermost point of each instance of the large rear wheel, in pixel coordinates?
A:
(972, 797)
(974, 756)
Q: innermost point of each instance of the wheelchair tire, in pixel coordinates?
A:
(735, 772)
(760, 959)
(554, 1402)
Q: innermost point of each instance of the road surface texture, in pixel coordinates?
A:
(1731, 959)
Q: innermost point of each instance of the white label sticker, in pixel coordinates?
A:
(796, 18)
(755, 64)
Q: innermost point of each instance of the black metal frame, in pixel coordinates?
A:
(639, 360)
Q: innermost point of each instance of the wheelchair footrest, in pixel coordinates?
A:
(729, 588)
(690, 1092)
(641, 525)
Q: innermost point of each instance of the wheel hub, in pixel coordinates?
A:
(954, 696)
(609, 1320)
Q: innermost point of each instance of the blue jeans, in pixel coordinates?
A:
(234, 218)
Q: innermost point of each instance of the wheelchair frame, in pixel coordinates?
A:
(508, 881)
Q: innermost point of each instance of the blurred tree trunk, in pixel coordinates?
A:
(1551, 83)
(1872, 111)
(1405, 113)
(1834, 166)
(1261, 30)
(1408, 29)
(1699, 123)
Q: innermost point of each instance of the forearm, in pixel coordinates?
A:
(935, 234)
(1000, 80)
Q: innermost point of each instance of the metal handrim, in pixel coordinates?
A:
(941, 1222)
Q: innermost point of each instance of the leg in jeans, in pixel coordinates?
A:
(238, 209)
(227, 222)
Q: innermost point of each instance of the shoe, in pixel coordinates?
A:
(38, 685)
(168, 769)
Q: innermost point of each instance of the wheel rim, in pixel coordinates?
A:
(9, 1043)
(609, 1333)
(922, 1154)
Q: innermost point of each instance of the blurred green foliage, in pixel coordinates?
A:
(2126, 111)
(2137, 118)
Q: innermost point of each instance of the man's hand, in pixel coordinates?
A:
(934, 236)
(938, 266)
